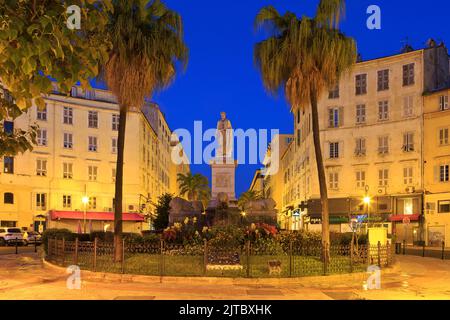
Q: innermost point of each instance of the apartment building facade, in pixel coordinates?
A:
(436, 167)
(371, 128)
(67, 180)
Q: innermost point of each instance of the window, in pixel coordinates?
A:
(335, 116)
(360, 179)
(443, 103)
(8, 198)
(383, 110)
(42, 137)
(68, 141)
(408, 176)
(92, 173)
(92, 204)
(383, 80)
(114, 145)
(383, 145)
(92, 146)
(360, 149)
(113, 175)
(361, 84)
(115, 122)
(41, 167)
(334, 92)
(383, 177)
(408, 142)
(8, 127)
(41, 203)
(444, 206)
(68, 115)
(8, 165)
(67, 201)
(408, 74)
(444, 173)
(443, 137)
(360, 113)
(42, 114)
(333, 180)
(67, 170)
(334, 150)
(408, 106)
(93, 119)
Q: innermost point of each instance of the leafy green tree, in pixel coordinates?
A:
(162, 211)
(147, 45)
(304, 57)
(194, 186)
(246, 197)
(36, 46)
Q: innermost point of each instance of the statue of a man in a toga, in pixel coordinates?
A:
(224, 137)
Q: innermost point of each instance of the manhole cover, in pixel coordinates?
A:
(342, 295)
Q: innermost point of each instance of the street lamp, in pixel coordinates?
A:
(85, 201)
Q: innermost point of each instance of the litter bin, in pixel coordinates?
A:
(398, 248)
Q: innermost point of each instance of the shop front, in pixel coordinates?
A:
(80, 222)
(407, 220)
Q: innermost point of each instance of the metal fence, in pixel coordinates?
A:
(248, 260)
(438, 252)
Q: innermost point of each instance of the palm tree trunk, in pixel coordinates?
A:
(118, 207)
(322, 179)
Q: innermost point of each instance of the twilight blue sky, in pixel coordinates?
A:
(221, 74)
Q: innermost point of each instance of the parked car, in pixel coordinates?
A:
(10, 236)
(32, 237)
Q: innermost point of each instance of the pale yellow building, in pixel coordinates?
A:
(437, 167)
(371, 128)
(273, 172)
(75, 158)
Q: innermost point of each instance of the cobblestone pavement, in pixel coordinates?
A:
(26, 277)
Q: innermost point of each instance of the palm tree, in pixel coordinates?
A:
(146, 46)
(304, 57)
(248, 196)
(195, 187)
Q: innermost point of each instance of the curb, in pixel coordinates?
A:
(130, 278)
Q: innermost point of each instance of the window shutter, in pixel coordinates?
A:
(341, 116)
(437, 173)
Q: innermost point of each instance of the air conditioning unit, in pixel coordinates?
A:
(383, 207)
(108, 209)
(410, 189)
(132, 208)
(430, 212)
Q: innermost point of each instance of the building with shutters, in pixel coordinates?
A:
(67, 180)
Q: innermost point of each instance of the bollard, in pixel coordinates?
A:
(123, 256)
(423, 250)
(161, 264)
(17, 245)
(404, 247)
(443, 250)
(35, 246)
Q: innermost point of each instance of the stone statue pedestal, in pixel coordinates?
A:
(223, 177)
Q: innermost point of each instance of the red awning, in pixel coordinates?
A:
(105, 216)
(400, 217)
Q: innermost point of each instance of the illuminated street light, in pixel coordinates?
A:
(367, 200)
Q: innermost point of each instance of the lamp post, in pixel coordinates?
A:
(85, 201)
(367, 203)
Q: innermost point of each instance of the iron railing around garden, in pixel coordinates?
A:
(204, 259)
